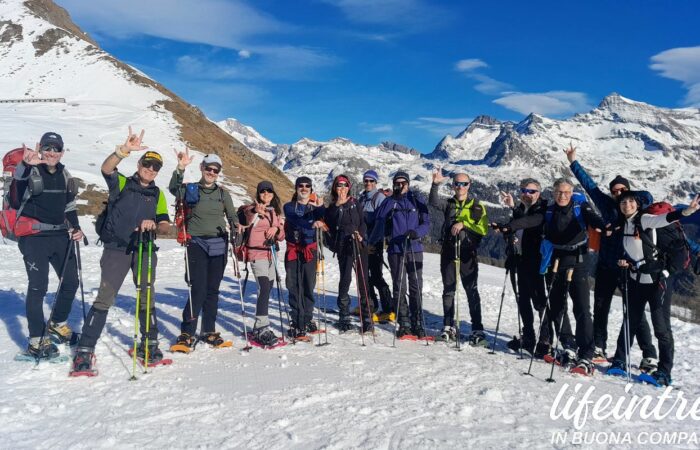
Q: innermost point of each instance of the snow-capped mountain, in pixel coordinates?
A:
(248, 136)
(96, 97)
(654, 147)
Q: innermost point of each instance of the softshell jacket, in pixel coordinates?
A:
(256, 244)
(470, 212)
(398, 215)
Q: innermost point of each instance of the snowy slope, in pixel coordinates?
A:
(300, 397)
(248, 136)
(655, 147)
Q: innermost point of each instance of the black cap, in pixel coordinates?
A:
(263, 185)
(302, 180)
(620, 180)
(401, 174)
(51, 139)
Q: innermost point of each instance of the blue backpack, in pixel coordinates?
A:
(546, 247)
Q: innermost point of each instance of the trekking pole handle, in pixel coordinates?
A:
(555, 268)
(569, 274)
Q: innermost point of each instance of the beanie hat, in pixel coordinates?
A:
(265, 185)
(401, 174)
(342, 179)
(371, 174)
(620, 180)
(303, 179)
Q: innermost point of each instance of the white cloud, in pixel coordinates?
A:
(411, 14)
(373, 128)
(467, 65)
(446, 121)
(553, 103)
(681, 64)
(440, 126)
(245, 54)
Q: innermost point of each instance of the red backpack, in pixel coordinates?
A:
(670, 248)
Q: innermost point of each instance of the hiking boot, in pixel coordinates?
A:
(449, 334)
(84, 359)
(599, 355)
(265, 336)
(648, 365)
(42, 350)
(367, 328)
(154, 353)
(418, 331)
(344, 324)
(514, 344)
(478, 339)
(296, 333)
(662, 378)
(311, 327)
(60, 332)
(542, 349)
(617, 368)
(403, 331)
(583, 367)
(183, 344)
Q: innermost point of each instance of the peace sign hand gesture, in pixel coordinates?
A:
(133, 142)
(32, 157)
(183, 158)
(570, 153)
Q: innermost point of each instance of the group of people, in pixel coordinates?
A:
(548, 246)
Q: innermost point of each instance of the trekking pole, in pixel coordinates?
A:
(323, 284)
(364, 284)
(279, 293)
(420, 294)
(569, 275)
(357, 287)
(458, 271)
(58, 290)
(625, 312)
(319, 282)
(547, 313)
(241, 294)
(149, 288)
(500, 309)
(514, 284)
(80, 277)
(139, 261)
(402, 272)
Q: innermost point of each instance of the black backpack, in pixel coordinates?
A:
(671, 251)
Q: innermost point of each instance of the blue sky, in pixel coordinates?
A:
(409, 71)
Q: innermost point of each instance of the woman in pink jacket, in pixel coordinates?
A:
(264, 229)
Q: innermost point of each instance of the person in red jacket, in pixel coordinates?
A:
(264, 230)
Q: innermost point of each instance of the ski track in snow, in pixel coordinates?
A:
(299, 396)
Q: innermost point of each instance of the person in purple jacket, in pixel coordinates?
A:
(404, 219)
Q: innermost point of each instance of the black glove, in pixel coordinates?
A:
(412, 234)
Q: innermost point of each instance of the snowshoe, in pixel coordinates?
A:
(265, 338)
(155, 355)
(659, 378)
(297, 334)
(583, 367)
(389, 317)
(312, 328)
(449, 334)
(478, 339)
(344, 325)
(403, 332)
(599, 356)
(83, 363)
(61, 333)
(648, 365)
(516, 344)
(617, 369)
(564, 358)
(184, 344)
(44, 350)
(215, 340)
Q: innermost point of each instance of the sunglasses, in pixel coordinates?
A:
(369, 181)
(400, 183)
(214, 170)
(618, 191)
(342, 184)
(304, 185)
(528, 191)
(461, 183)
(266, 191)
(51, 149)
(153, 165)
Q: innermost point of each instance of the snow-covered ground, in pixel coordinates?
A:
(301, 396)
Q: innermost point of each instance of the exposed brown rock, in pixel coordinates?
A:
(11, 32)
(49, 40)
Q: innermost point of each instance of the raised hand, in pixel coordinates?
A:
(570, 152)
(260, 208)
(437, 176)
(32, 157)
(133, 142)
(694, 205)
(183, 158)
(507, 199)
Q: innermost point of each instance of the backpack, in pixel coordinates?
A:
(101, 218)
(664, 248)
(546, 247)
(12, 224)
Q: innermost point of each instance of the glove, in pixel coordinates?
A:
(412, 234)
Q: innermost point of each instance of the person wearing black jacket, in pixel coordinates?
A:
(607, 273)
(524, 236)
(565, 228)
(348, 234)
(44, 195)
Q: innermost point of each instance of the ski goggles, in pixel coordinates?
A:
(528, 191)
(459, 184)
